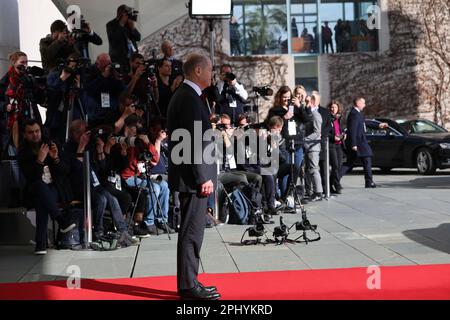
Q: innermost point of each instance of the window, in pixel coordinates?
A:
(258, 27)
(344, 26)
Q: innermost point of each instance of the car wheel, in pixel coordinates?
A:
(385, 169)
(424, 162)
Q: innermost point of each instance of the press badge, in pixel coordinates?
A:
(118, 182)
(231, 162)
(95, 181)
(141, 167)
(106, 100)
(292, 128)
(233, 104)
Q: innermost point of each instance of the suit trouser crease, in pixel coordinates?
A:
(190, 239)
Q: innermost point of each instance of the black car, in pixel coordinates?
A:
(419, 144)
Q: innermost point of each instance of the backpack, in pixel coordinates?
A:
(73, 239)
(108, 242)
(239, 207)
(253, 195)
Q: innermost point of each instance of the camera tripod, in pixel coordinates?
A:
(73, 96)
(304, 225)
(292, 188)
(158, 214)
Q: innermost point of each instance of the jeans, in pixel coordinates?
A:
(285, 181)
(102, 198)
(44, 198)
(161, 193)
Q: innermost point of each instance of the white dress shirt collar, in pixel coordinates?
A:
(193, 86)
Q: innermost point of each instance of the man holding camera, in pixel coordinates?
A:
(47, 183)
(83, 37)
(56, 46)
(64, 94)
(142, 156)
(142, 83)
(103, 87)
(123, 36)
(232, 94)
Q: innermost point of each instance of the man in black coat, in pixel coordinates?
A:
(123, 37)
(356, 142)
(47, 182)
(189, 173)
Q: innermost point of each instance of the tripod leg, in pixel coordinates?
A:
(158, 213)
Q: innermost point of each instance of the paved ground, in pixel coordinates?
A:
(406, 221)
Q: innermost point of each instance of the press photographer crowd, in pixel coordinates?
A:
(115, 110)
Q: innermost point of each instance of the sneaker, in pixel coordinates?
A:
(40, 252)
(153, 230)
(166, 228)
(140, 232)
(316, 197)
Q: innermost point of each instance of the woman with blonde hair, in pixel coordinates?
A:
(295, 115)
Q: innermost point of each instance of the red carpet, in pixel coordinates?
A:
(399, 283)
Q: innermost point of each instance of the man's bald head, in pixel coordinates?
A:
(167, 48)
(315, 98)
(198, 69)
(103, 60)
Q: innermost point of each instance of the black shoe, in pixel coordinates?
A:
(371, 185)
(210, 289)
(153, 230)
(198, 293)
(166, 228)
(316, 197)
(140, 232)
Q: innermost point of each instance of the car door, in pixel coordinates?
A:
(386, 144)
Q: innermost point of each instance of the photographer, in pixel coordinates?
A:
(142, 83)
(103, 88)
(123, 37)
(47, 183)
(56, 46)
(64, 92)
(19, 96)
(142, 155)
(81, 140)
(232, 94)
(83, 37)
(296, 115)
(127, 107)
(166, 85)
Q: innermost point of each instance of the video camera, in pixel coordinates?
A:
(265, 91)
(81, 65)
(150, 69)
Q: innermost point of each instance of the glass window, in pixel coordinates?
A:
(261, 28)
(344, 27)
(305, 36)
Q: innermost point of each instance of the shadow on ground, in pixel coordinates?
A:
(436, 238)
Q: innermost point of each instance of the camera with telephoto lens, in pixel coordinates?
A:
(80, 34)
(132, 14)
(265, 91)
(257, 230)
(116, 67)
(36, 75)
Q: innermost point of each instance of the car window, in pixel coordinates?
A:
(373, 130)
(425, 127)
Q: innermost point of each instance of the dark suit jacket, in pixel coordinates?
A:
(356, 134)
(118, 43)
(185, 107)
(327, 130)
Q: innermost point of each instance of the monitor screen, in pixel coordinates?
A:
(210, 7)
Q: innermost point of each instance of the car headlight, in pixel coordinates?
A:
(445, 145)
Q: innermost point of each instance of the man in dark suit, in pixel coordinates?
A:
(122, 36)
(192, 177)
(357, 144)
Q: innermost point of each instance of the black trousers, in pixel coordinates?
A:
(367, 164)
(335, 164)
(190, 239)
